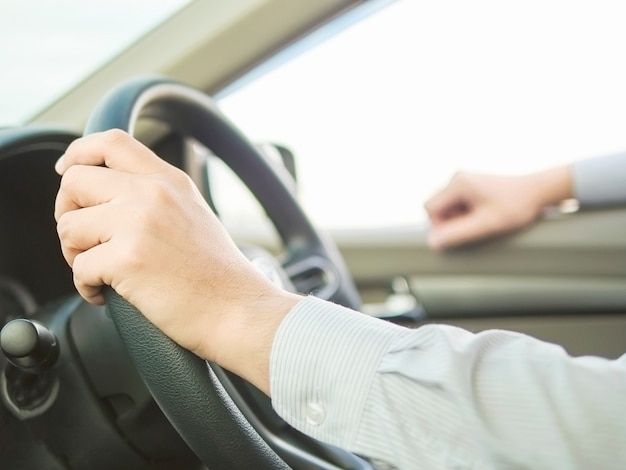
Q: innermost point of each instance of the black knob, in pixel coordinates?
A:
(29, 345)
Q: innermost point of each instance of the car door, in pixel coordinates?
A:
(561, 280)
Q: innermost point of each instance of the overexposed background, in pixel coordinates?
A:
(382, 113)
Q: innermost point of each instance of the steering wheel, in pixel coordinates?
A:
(205, 404)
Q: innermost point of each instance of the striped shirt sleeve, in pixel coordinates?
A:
(600, 181)
(439, 397)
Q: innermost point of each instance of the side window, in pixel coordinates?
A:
(383, 111)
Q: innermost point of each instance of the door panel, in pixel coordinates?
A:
(562, 280)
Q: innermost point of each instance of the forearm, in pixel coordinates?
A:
(439, 396)
(550, 187)
(599, 181)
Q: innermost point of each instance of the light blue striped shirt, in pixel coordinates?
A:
(439, 397)
(600, 181)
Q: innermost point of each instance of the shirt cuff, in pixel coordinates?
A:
(319, 383)
(600, 181)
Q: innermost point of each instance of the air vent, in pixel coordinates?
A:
(316, 276)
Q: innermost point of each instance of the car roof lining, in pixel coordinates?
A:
(201, 34)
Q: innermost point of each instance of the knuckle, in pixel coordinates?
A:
(161, 190)
(158, 197)
(79, 269)
(72, 175)
(177, 178)
(64, 227)
(115, 136)
(131, 255)
(165, 189)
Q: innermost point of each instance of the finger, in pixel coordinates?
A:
(86, 186)
(83, 229)
(114, 149)
(460, 230)
(445, 204)
(88, 269)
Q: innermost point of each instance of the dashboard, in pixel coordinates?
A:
(30, 256)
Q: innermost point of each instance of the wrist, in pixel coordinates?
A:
(551, 187)
(243, 340)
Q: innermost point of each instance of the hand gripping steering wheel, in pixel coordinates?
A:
(201, 400)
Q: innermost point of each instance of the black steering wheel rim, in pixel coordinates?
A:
(205, 416)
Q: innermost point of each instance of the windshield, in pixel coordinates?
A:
(49, 47)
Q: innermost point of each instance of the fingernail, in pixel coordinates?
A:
(58, 166)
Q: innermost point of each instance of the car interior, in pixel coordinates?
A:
(89, 387)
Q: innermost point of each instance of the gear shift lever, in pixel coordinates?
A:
(27, 384)
(29, 345)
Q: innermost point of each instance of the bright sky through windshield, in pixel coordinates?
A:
(47, 47)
